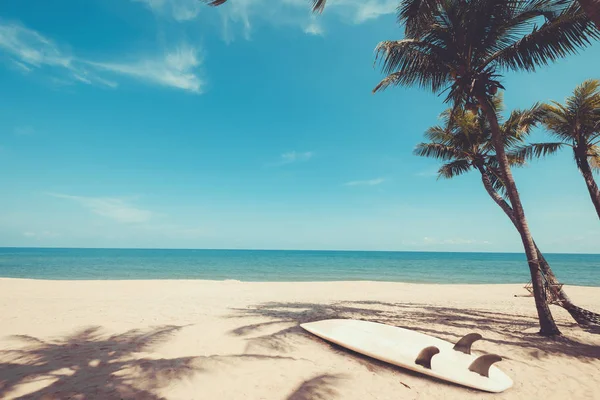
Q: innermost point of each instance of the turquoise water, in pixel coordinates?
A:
(258, 265)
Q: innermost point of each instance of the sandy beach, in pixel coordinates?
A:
(232, 340)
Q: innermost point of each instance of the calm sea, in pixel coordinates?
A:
(258, 265)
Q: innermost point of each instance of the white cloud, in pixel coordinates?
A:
(22, 66)
(175, 69)
(275, 12)
(314, 28)
(30, 47)
(293, 156)
(30, 50)
(370, 182)
(180, 10)
(367, 10)
(116, 209)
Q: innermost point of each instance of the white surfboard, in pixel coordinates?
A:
(416, 351)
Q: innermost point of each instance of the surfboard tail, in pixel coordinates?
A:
(482, 364)
(465, 343)
(425, 356)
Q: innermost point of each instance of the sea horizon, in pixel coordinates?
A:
(52, 263)
(287, 250)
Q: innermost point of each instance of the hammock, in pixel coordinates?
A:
(551, 290)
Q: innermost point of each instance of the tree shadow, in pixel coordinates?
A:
(448, 323)
(89, 364)
(320, 387)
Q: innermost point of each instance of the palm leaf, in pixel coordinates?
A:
(537, 150)
(594, 157)
(577, 121)
(555, 39)
(454, 168)
(519, 125)
(496, 181)
(439, 134)
(416, 14)
(438, 151)
(515, 159)
(558, 121)
(412, 62)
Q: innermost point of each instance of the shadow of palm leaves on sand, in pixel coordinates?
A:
(320, 387)
(89, 364)
(92, 365)
(500, 328)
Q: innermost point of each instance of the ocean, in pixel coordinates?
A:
(282, 265)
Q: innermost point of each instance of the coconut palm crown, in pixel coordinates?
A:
(463, 142)
(463, 46)
(576, 124)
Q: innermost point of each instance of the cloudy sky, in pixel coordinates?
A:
(167, 123)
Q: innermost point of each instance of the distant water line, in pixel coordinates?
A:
(283, 265)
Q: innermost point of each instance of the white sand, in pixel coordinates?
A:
(233, 340)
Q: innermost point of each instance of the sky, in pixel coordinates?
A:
(170, 124)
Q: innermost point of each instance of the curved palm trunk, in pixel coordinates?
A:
(588, 176)
(580, 315)
(592, 10)
(547, 325)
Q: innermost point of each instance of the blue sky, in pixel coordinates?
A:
(166, 123)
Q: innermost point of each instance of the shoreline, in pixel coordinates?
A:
(516, 285)
(189, 339)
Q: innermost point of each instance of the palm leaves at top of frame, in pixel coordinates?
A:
(463, 46)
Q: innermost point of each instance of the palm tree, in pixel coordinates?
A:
(463, 46)
(576, 124)
(464, 143)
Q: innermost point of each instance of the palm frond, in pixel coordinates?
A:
(454, 168)
(496, 181)
(390, 80)
(515, 159)
(584, 107)
(558, 121)
(520, 123)
(577, 121)
(537, 150)
(512, 20)
(412, 62)
(438, 151)
(556, 38)
(594, 157)
(439, 134)
(416, 14)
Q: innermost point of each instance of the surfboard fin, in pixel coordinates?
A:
(482, 364)
(464, 344)
(424, 357)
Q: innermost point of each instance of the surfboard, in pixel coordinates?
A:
(416, 351)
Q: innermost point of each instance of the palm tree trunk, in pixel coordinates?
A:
(547, 325)
(580, 315)
(592, 9)
(588, 176)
